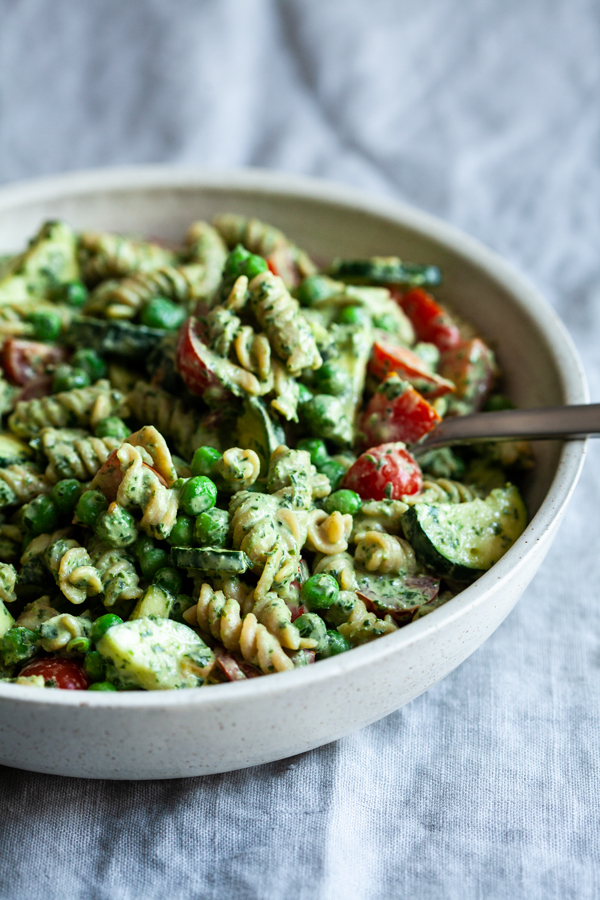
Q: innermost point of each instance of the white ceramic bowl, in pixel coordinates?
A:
(230, 726)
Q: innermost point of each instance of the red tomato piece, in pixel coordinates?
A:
(196, 363)
(23, 361)
(430, 320)
(472, 368)
(40, 386)
(387, 472)
(61, 673)
(389, 358)
(396, 412)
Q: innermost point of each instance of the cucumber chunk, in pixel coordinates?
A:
(385, 270)
(257, 431)
(207, 559)
(461, 541)
(120, 338)
(155, 601)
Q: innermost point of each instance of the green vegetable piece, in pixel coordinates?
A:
(113, 427)
(339, 611)
(498, 402)
(90, 507)
(155, 601)
(331, 379)
(180, 604)
(319, 592)
(211, 528)
(66, 494)
(354, 315)
(117, 527)
(101, 626)
(335, 471)
(316, 448)
(312, 626)
(94, 665)
(316, 289)
(162, 313)
(182, 533)
(66, 378)
(207, 559)
(344, 501)
(151, 560)
(47, 325)
(385, 270)
(241, 262)
(41, 515)
(205, 460)
(336, 643)
(142, 544)
(169, 579)
(79, 645)
(102, 686)
(73, 293)
(17, 645)
(324, 416)
(198, 495)
(90, 361)
(113, 336)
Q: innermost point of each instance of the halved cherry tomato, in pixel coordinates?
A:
(61, 673)
(40, 386)
(396, 412)
(196, 363)
(272, 267)
(387, 472)
(109, 476)
(472, 367)
(430, 320)
(388, 358)
(23, 361)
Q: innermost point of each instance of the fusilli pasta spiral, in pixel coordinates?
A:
(20, 483)
(328, 534)
(363, 626)
(124, 299)
(120, 580)
(80, 407)
(104, 255)
(238, 468)
(72, 568)
(73, 454)
(442, 490)
(385, 554)
(141, 487)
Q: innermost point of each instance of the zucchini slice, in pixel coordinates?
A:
(13, 450)
(257, 431)
(385, 270)
(155, 601)
(120, 338)
(208, 559)
(463, 540)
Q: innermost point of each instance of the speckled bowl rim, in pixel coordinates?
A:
(548, 324)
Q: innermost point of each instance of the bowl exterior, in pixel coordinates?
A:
(198, 732)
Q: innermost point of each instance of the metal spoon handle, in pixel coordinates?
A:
(517, 424)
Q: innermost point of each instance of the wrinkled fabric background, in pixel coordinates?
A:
(486, 113)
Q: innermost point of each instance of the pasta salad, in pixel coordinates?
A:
(207, 466)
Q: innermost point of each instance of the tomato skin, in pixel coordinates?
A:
(472, 368)
(194, 359)
(66, 673)
(23, 361)
(431, 322)
(385, 472)
(395, 416)
(388, 358)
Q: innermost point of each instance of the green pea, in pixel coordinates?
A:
(17, 644)
(312, 626)
(152, 560)
(204, 461)
(339, 612)
(66, 494)
(162, 313)
(90, 507)
(235, 261)
(117, 527)
(323, 415)
(315, 290)
(73, 293)
(316, 448)
(41, 516)
(79, 645)
(335, 644)
(253, 266)
(180, 604)
(112, 427)
(319, 592)
(66, 378)
(88, 360)
(211, 528)
(331, 379)
(354, 315)
(304, 395)
(47, 326)
(102, 686)
(498, 402)
(335, 471)
(142, 545)
(386, 322)
(345, 502)
(182, 533)
(198, 495)
(101, 626)
(169, 579)
(94, 665)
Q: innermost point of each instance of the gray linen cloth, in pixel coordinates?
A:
(486, 113)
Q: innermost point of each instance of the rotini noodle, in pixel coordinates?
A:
(385, 554)
(104, 255)
(8, 579)
(328, 534)
(363, 626)
(442, 490)
(80, 407)
(125, 299)
(72, 568)
(341, 567)
(74, 454)
(238, 468)
(20, 483)
(171, 416)
(205, 245)
(58, 631)
(120, 580)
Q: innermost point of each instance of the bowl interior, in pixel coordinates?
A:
(162, 203)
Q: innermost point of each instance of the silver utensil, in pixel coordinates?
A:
(568, 422)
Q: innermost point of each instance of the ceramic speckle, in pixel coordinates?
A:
(230, 726)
